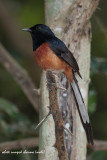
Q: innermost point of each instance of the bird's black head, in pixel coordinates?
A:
(40, 33)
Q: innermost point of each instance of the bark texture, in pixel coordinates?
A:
(70, 22)
(57, 116)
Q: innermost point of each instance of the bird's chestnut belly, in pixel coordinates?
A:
(46, 58)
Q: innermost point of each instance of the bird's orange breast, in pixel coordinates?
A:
(47, 59)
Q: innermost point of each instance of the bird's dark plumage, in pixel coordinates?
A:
(62, 52)
(41, 33)
(51, 53)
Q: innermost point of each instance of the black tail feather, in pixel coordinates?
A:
(82, 111)
(89, 133)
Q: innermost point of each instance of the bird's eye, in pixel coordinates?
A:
(38, 28)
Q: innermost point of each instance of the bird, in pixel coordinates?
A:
(51, 53)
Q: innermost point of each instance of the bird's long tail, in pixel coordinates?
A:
(82, 111)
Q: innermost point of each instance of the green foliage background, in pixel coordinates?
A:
(17, 116)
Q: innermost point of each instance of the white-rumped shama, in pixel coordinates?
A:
(52, 54)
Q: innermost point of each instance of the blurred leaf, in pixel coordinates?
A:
(13, 124)
(100, 155)
(8, 107)
(12, 111)
(98, 65)
(92, 101)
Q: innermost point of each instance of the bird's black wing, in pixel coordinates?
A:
(63, 53)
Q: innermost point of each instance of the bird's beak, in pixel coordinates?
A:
(27, 29)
